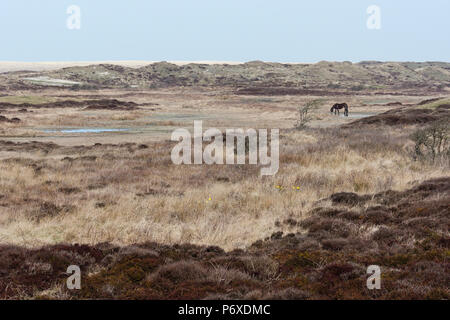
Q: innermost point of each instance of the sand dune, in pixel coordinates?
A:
(8, 66)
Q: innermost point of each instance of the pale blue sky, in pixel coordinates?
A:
(227, 30)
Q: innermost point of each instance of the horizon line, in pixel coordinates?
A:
(39, 66)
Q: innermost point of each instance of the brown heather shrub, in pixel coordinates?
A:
(335, 244)
(384, 234)
(287, 294)
(225, 276)
(180, 271)
(261, 267)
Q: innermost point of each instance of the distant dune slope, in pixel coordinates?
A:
(332, 76)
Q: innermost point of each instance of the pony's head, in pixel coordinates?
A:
(332, 109)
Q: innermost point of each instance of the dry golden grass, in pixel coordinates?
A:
(126, 194)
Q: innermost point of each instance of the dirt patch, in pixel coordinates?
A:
(111, 105)
(404, 116)
(421, 103)
(12, 120)
(393, 104)
(47, 147)
(27, 146)
(347, 198)
(102, 104)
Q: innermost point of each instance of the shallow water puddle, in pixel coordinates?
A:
(358, 115)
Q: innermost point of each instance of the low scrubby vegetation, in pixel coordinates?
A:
(130, 193)
(324, 256)
(304, 113)
(432, 143)
(141, 227)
